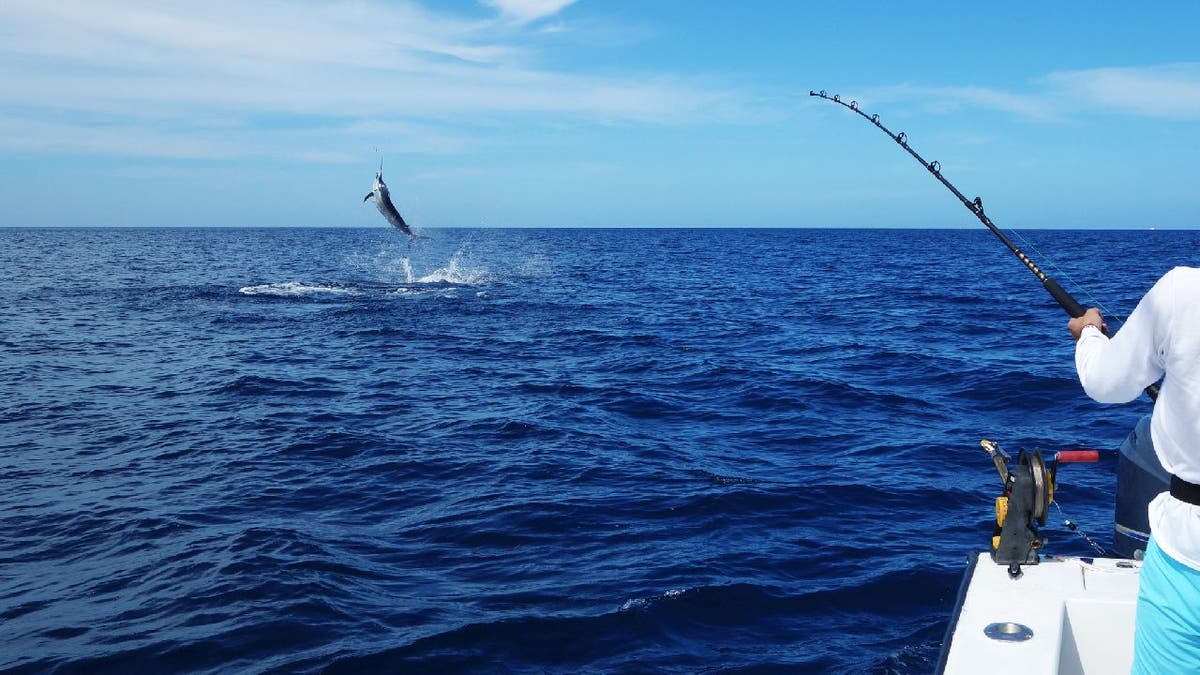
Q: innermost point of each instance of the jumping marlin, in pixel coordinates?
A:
(383, 201)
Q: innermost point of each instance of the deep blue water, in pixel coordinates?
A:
(526, 450)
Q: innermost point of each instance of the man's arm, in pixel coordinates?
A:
(1116, 370)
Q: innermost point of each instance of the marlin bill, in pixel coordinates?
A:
(383, 201)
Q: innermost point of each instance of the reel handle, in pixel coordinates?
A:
(1077, 456)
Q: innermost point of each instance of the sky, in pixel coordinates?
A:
(587, 113)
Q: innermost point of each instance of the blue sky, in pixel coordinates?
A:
(586, 113)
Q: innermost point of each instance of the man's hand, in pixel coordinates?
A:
(1091, 317)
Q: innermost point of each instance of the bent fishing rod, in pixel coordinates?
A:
(975, 206)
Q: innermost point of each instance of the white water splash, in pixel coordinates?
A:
(392, 273)
(295, 289)
(458, 271)
(639, 603)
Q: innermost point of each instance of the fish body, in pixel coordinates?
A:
(383, 202)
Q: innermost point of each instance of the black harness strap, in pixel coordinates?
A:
(1185, 491)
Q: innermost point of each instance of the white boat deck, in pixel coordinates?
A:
(1080, 612)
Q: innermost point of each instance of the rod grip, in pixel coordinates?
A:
(1076, 456)
(1064, 299)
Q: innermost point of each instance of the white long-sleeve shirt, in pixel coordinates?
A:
(1160, 338)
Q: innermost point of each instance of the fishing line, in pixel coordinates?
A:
(1075, 528)
(1059, 272)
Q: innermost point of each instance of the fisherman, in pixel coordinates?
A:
(1161, 339)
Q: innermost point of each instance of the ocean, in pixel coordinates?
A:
(529, 450)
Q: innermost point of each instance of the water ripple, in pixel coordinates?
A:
(523, 450)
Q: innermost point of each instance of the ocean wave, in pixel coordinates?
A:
(647, 450)
(254, 386)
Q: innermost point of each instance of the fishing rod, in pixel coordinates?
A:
(975, 206)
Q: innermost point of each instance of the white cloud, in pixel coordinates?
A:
(165, 67)
(1164, 91)
(950, 99)
(1169, 91)
(526, 11)
(25, 135)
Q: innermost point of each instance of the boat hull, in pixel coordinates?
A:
(1066, 616)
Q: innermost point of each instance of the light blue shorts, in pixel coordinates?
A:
(1167, 636)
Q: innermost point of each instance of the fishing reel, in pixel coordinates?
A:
(1028, 493)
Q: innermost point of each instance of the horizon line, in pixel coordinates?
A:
(590, 227)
